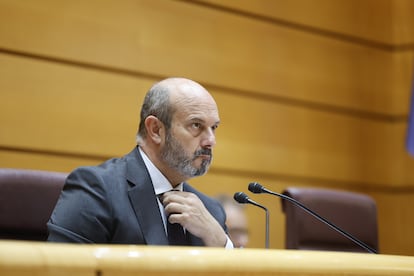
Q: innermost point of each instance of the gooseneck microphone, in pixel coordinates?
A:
(242, 198)
(256, 188)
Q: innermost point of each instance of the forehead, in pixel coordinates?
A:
(197, 110)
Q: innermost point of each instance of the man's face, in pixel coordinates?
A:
(189, 143)
(175, 155)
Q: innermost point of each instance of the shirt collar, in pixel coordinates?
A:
(159, 181)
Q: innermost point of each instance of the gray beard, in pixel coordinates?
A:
(173, 154)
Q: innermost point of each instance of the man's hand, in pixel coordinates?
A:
(187, 209)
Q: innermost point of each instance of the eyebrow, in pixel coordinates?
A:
(197, 119)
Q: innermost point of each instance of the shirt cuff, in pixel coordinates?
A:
(229, 243)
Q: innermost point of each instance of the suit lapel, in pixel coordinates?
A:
(144, 201)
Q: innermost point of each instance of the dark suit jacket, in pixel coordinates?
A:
(115, 202)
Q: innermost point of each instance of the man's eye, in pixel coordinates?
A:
(196, 125)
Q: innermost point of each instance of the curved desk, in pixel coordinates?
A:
(39, 258)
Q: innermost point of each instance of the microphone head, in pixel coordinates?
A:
(256, 188)
(241, 197)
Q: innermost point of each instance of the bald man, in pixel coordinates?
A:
(136, 198)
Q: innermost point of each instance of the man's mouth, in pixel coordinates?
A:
(204, 156)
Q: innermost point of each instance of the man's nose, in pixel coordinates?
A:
(209, 138)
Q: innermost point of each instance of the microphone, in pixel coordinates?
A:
(242, 198)
(256, 188)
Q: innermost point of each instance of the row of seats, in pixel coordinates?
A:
(27, 198)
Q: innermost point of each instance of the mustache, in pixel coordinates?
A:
(207, 152)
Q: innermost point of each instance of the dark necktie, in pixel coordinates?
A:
(176, 235)
(175, 232)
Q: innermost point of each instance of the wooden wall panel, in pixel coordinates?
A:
(395, 222)
(369, 20)
(403, 23)
(260, 137)
(55, 107)
(384, 23)
(26, 159)
(60, 108)
(205, 44)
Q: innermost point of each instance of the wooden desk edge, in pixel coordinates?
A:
(25, 258)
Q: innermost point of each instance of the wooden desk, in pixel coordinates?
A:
(38, 258)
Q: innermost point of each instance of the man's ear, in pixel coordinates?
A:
(155, 129)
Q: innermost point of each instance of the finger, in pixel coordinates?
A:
(174, 208)
(177, 218)
(173, 196)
